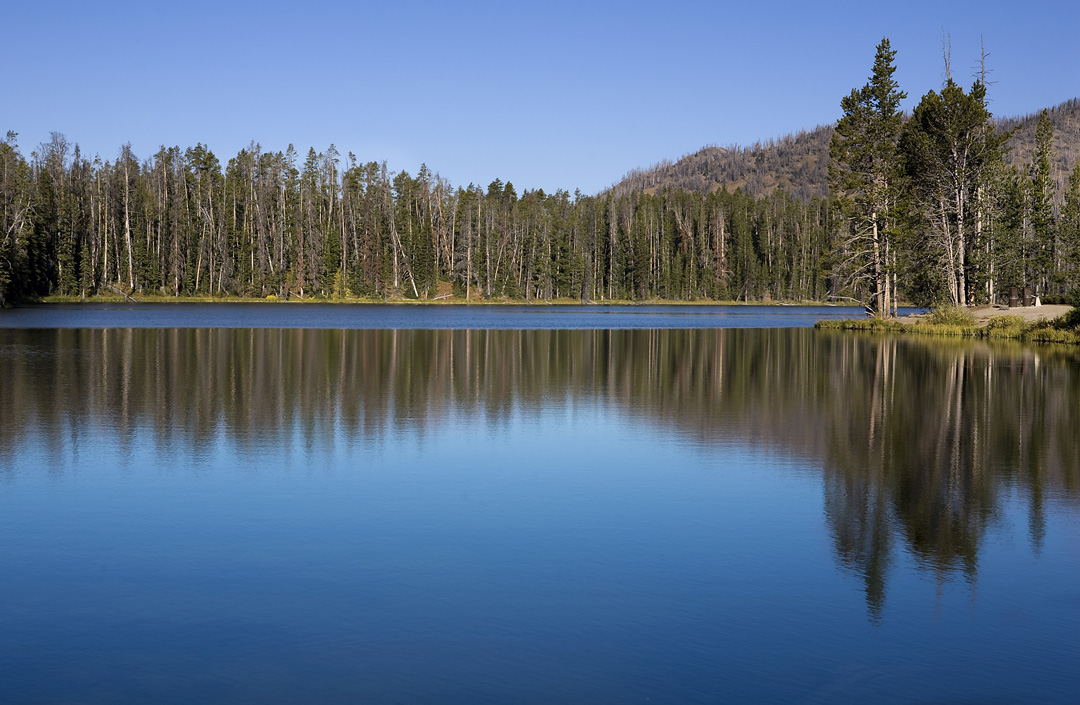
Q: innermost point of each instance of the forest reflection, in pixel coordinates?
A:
(920, 441)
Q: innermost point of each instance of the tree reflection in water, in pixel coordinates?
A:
(919, 440)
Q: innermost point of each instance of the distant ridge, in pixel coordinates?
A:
(799, 163)
(1066, 121)
(796, 163)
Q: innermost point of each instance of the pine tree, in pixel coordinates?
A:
(1070, 234)
(16, 220)
(864, 176)
(1041, 205)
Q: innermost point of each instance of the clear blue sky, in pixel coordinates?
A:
(546, 95)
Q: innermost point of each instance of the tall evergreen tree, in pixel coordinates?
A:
(16, 219)
(1042, 209)
(1070, 234)
(864, 176)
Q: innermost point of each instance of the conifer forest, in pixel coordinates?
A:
(921, 207)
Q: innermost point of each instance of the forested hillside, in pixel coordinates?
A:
(1065, 149)
(799, 163)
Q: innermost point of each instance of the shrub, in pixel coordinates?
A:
(951, 316)
(1070, 320)
(1005, 322)
(1005, 327)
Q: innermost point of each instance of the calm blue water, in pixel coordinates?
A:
(490, 516)
(450, 316)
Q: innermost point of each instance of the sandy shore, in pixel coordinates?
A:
(1028, 313)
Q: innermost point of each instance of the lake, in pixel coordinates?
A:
(374, 505)
(411, 316)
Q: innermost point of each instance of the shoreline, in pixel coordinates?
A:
(402, 301)
(1055, 324)
(984, 314)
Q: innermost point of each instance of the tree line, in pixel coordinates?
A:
(921, 208)
(271, 224)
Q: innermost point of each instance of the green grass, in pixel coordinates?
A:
(872, 325)
(457, 299)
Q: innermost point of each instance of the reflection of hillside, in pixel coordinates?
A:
(919, 440)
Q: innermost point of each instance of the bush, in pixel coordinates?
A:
(1005, 327)
(951, 316)
(1070, 320)
(1005, 322)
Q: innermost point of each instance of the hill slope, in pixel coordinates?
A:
(799, 163)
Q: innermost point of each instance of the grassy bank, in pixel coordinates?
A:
(959, 322)
(477, 301)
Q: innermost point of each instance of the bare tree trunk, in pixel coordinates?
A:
(127, 225)
(961, 249)
(613, 231)
(879, 283)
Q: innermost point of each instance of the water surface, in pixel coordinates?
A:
(441, 316)
(489, 516)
